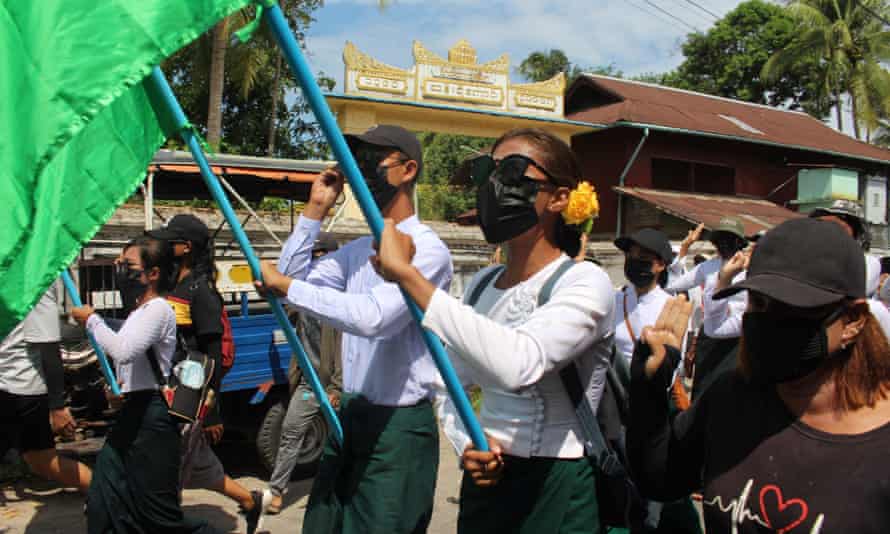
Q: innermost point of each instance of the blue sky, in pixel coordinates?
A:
(632, 34)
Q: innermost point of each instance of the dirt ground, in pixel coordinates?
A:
(34, 506)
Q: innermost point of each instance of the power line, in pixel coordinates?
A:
(695, 16)
(703, 8)
(651, 14)
(671, 15)
(873, 13)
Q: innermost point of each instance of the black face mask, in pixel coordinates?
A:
(505, 199)
(375, 176)
(727, 246)
(638, 272)
(781, 350)
(130, 286)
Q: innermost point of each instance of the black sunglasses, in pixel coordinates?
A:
(511, 169)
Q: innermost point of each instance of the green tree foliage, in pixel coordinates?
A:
(540, 66)
(440, 197)
(728, 60)
(250, 86)
(850, 45)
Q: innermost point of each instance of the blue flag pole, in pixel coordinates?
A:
(158, 85)
(291, 50)
(100, 354)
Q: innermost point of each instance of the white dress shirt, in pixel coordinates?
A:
(677, 268)
(384, 356)
(880, 312)
(153, 324)
(723, 318)
(641, 312)
(514, 350)
(700, 276)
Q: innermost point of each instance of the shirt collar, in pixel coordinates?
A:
(408, 224)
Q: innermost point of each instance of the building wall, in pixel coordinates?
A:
(759, 169)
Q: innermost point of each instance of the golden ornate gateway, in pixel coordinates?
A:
(460, 79)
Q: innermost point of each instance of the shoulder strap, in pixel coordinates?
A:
(596, 443)
(630, 329)
(486, 279)
(156, 367)
(547, 288)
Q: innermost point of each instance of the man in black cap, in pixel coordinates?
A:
(383, 477)
(201, 324)
(717, 342)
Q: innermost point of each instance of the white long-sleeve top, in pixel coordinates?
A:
(642, 311)
(384, 356)
(514, 350)
(701, 275)
(723, 318)
(879, 310)
(153, 324)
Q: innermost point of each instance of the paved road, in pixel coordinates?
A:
(33, 506)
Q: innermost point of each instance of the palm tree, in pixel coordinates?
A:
(850, 43)
(217, 80)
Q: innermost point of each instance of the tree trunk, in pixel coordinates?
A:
(854, 111)
(839, 110)
(217, 81)
(273, 116)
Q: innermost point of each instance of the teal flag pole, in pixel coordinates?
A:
(162, 95)
(300, 68)
(100, 354)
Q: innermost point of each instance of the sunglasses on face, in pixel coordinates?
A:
(509, 171)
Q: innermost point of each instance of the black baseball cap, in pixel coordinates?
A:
(183, 227)
(391, 136)
(649, 239)
(805, 263)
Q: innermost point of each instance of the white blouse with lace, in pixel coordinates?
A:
(514, 350)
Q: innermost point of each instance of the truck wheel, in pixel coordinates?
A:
(269, 435)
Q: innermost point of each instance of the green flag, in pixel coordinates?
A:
(77, 130)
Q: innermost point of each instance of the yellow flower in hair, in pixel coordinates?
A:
(583, 206)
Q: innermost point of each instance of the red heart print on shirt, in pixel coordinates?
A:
(780, 514)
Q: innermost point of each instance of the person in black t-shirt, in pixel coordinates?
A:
(794, 440)
(199, 306)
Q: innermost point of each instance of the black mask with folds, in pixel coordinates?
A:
(130, 285)
(505, 198)
(375, 174)
(638, 272)
(782, 349)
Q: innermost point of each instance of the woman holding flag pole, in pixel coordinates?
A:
(135, 485)
(518, 326)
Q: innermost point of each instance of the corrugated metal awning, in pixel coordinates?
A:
(756, 214)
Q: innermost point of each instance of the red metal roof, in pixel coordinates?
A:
(756, 214)
(604, 100)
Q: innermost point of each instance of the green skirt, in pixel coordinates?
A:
(383, 478)
(535, 496)
(135, 486)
